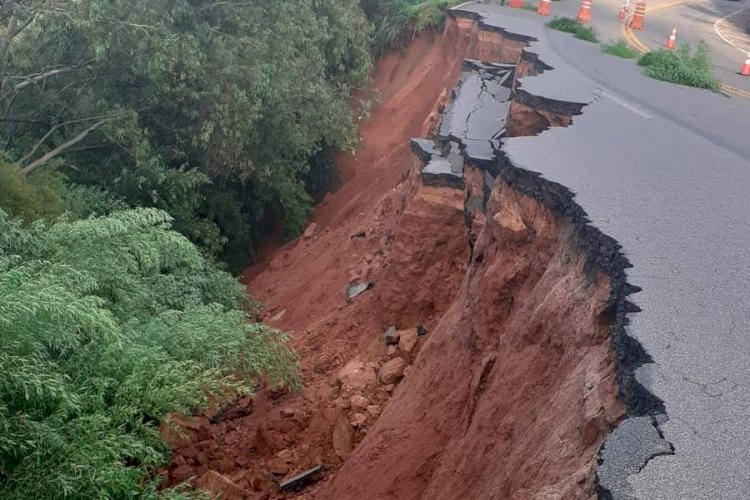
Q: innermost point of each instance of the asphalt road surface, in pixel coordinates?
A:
(665, 171)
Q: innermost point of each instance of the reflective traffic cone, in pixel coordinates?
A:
(623, 11)
(516, 4)
(584, 12)
(544, 8)
(640, 12)
(745, 69)
(672, 40)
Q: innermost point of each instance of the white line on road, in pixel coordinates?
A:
(627, 105)
(727, 41)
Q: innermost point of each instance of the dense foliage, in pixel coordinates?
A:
(108, 324)
(140, 140)
(395, 21)
(683, 66)
(220, 113)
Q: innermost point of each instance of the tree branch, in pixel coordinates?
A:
(63, 147)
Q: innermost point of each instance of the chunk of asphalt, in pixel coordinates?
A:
(302, 480)
(626, 452)
(357, 288)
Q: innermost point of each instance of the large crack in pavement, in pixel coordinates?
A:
(639, 439)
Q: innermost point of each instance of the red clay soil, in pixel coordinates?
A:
(507, 396)
(513, 391)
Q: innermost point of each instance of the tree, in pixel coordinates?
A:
(152, 97)
(108, 324)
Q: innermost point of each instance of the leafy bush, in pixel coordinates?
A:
(569, 25)
(108, 324)
(682, 66)
(37, 196)
(620, 48)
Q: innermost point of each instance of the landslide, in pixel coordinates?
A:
(508, 377)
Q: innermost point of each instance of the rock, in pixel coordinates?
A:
(258, 481)
(359, 403)
(357, 375)
(286, 455)
(288, 412)
(391, 336)
(408, 340)
(392, 371)
(373, 410)
(219, 485)
(390, 387)
(421, 331)
(391, 351)
(310, 231)
(358, 420)
(356, 288)
(278, 467)
(343, 437)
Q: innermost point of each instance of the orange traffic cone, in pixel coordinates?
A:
(640, 12)
(584, 12)
(745, 69)
(544, 8)
(516, 4)
(672, 40)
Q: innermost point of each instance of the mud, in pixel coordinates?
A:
(502, 383)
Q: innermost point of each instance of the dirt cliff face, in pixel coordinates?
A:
(496, 380)
(511, 394)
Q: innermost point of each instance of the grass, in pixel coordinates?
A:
(683, 66)
(569, 25)
(529, 7)
(620, 48)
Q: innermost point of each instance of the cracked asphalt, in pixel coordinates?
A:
(664, 170)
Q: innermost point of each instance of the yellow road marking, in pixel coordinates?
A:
(666, 5)
(634, 42)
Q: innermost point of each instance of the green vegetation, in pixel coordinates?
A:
(530, 7)
(220, 113)
(141, 143)
(681, 66)
(620, 48)
(569, 25)
(108, 324)
(391, 18)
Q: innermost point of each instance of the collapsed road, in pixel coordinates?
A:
(677, 203)
(538, 291)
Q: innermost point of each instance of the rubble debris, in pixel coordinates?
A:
(310, 231)
(302, 480)
(220, 485)
(408, 340)
(392, 371)
(342, 437)
(391, 336)
(357, 375)
(356, 288)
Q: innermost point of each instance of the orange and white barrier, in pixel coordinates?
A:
(544, 8)
(745, 69)
(672, 40)
(584, 12)
(640, 13)
(516, 4)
